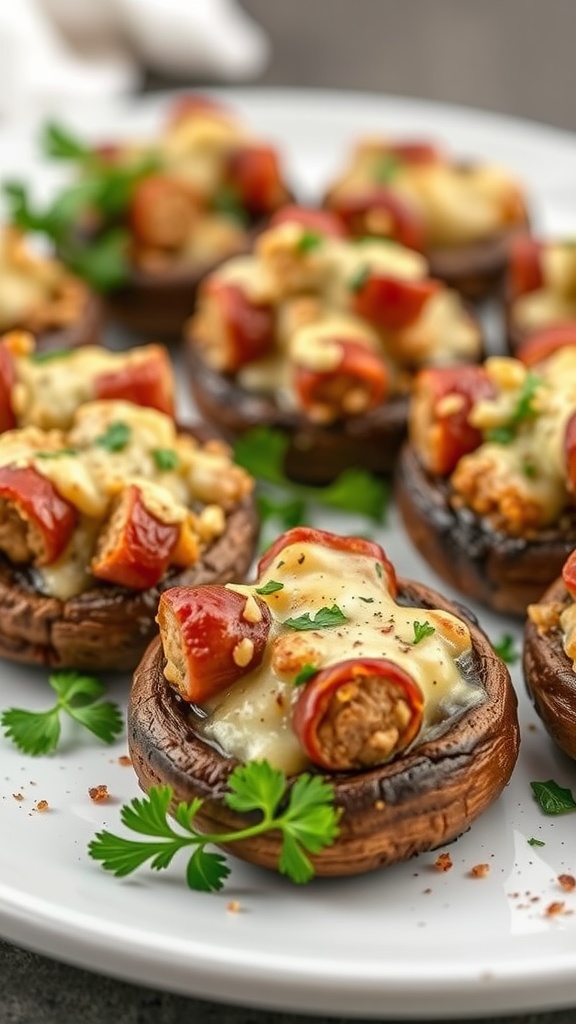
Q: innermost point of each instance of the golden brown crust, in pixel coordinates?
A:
(549, 675)
(505, 573)
(426, 798)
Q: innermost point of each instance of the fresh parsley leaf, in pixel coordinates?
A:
(165, 458)
(48, 357)
(367, 600)
(56, 454)
(309, 240)
(422, 630)
(262, 452)
(59, 143)
(323, 619)
(228, 202)
(270, 588)
(304, 814)
(115, 437)
(523, 410)
(104, 262)
(359, 278)
(506, 649)
(553, 799)
(38, 732)
(387, 168)
(535, 842)
(305, 673)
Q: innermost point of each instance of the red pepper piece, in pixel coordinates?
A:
(47, 519)
(544, 343)
(253, 173)
(336, 542)
(358, 713)
(357, 384)
(210, 638)
(7, 378)
(391, 303)
(162, 212)
(416, 151)
(145, 381)
(525, 272)
(244, 329)
(320, 221)
(569, 574)
(134, 547)
(441, 403)
(380, 212)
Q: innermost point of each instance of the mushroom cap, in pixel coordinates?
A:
(549, 675)
(417, 802)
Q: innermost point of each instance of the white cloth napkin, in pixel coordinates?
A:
(54, 50)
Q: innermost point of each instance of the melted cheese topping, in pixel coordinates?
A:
(253, 719)
(312, 293)
(521, 483)
(28, 281)
(90, 473)
(459, 203)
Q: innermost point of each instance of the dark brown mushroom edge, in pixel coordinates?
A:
(548, 670)
(462, 214)
(486, 483)
(320, 338)
(108, 626)
(427, 797)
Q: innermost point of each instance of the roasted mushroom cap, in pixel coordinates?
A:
(506, 573)
(476, 270)
(426, 798)
(549, 675)
(316, 454)
(86, 329)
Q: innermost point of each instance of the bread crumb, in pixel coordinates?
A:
(233, 907)
(443, 862)
(555, 908)
(42, 805)
(379, 805)
(18, 796)
(125, 760)
(567, 882)
(479, 871)
(99, 794)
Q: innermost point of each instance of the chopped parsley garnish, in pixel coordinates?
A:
(324, 618)
(38, 732)
(115, 437)
(47, 357)
(165, 458)
(506, 649)
(387, 168)
(303, 813)
(535, 842)
(422, 630)
(379, 570)
(227, 202)
(359, 278)
(269, 588)
(367, 600)
(56, 454)
(523, 411)
(262, 452)
(309, 240)
(553, 799)
(305, 673)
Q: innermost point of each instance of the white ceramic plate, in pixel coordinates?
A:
(408, 942)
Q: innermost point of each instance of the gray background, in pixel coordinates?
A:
(511, 56)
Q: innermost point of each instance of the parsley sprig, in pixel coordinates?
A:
(422, 630)
(304, 814)
(324, 618)
(83, 220)
(553, 798)
(263, 451)
(78, 695)
(506, 649)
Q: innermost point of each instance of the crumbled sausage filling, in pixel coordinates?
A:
(363, 723)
